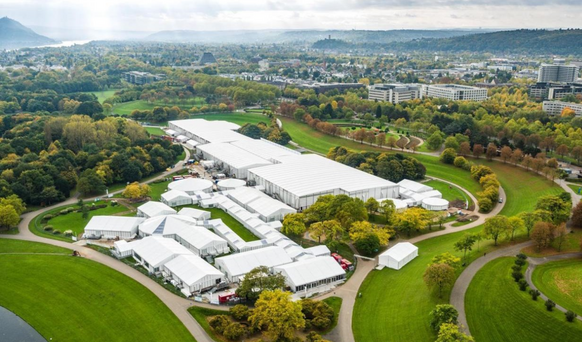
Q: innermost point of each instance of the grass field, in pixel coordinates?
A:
(126, 108)
(230, 221)
(450, 192)
(498, 311)
(103, 94)
(560, 281)
(571, 244)
(74, 299)
(237, 118)
(155, 131)
(335, 303)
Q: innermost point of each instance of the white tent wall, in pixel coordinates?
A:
(398, 256)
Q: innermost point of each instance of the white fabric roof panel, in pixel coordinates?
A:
(113, 223)
(156, 249)
(192, 185)
(320, 250)
(167, 224)
(198, 237)
(196, 214)
(242, 263)
(400, 251)
(265, 149)
(310, 173)
(245, 194)
(233, 156)
(153, 208)
(310, 270)
(414, 186)
(191, 268)
(267, 206)
(174, 195)
(196, 126)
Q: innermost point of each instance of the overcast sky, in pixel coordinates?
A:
(157, 15)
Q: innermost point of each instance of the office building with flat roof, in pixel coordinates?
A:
(394, 93)
(556, 107)
(557, 73)
(454, 92)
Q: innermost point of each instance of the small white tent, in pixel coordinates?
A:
(398, 256)
(174, 198)
(153, 208)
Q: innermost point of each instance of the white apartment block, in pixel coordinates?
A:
(557, 73)
(454, 92)
(394, 93)
(556, 107)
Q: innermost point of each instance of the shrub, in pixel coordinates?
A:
(68, 233)
(534, 294)
(321, 322)
(47, 217)
(521, 256)
(56, 232)
(519, 262)
(240, 312)
(570, 316)
(113, 203)
(234, 331)
(443, 313)
(460, 162)
(448, 156)
(64, 212)
(522, 283)
(219, 323)
(549, 305)
(516, 268)
(48, 228)
(517, 275)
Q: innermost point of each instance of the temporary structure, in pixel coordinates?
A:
(235, 266)
(229, 184)
(192, 273)
(398, 256)
(435, 204)
(154, 251)
(112, 227)
(312, 272)
(153, 208)
(191, 185)
(174, 198)
(197, 214)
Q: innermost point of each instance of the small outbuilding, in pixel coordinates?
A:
(174, 198)
(398, 256)
(191, 185)
(191, 144)
(153, 208)
(435, 204)
(192, 273)
(112, 227)
(313, 272)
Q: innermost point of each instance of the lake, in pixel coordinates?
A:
(15, 329)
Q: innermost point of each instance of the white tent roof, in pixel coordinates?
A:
(221, 136)
(123, 246)
(267, 206)
(201, 125)
(264, 148)
(192, 142)
(242, 263)
(318, 250)
(231, 183)
(190, 184)
(310, 270)
(166, 224)
(175, 194)
(435, 201)
(398, 203)
(245, 194)
(233, 156)
(191, 268)
(156, 249)
(113, 223)
(400, 251)
(153, 208)
(198, 237)
(193, 213)
(318, 174)
(413, 186)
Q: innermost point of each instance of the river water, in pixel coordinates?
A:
(15, 329)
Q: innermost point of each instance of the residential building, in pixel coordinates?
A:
(557, 73)
(394, 93)
(556, 107)
(454, 92)
(139, 77)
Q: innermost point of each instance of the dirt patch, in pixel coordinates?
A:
(569, 287)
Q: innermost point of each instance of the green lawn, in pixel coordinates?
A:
(237, 118)
(560, 281)
(75, 299)
(158, 189)
(450, 192)
(19, 246)
(155, 131)
(335, 303)
(103, 95)
(71, 221)
(201, 315)
(126, 108)
(575, 187)
(231, 222)
(498, 311)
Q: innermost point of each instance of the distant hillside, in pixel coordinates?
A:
(562, 42)
(221, 37)
(15, 35)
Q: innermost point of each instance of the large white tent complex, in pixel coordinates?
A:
(112, 227)
(311, 272)
(201, 130)
(230, 184)
(153, 252)
(255, 201)
(191, 185)
(174, 198)
(235, 266)
(192, 273)
(298, 181)
(197, 214)
(234, 160)
(265, 149)
(153, 208)
(398, 256)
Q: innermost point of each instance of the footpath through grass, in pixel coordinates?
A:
(561, 281)
(69, 298)
(498, 311)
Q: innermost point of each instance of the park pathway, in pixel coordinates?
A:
(534, 262)
(178, 305)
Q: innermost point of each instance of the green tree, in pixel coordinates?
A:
(371, 205)
(450, 333)
(277, 315)
(496, 226)
(15, 202)
(465, 244)
(90, 183)
(558, 208)
(447, 259)
(443, 313)
(451, 142)
(363, 229)
(258, 280)
(388, 209)
(8, 216)
(448, 156)
(293, 224)
(412, 219)
(331, 229)
(435, 141)
(440, 277)
(516, 224)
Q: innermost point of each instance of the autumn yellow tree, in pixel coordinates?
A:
(413, 219)
(277, 315)
(135, 191)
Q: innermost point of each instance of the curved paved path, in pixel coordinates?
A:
(177, 305)
(534, 262)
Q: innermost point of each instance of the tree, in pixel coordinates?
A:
(558, 208)
(496, 226)
(412, 219)
(550, 304)
(451, 142)
(516, 156)
(15, 202)
(136, 191)
(234, 331)
(372, 205)
(562, 150)
(570, 316)
(529, 220)
(491, 151)
(318, 313)
(541, 235)
(435, 141)
(362, 229)
(560, 234)
(448, 156)
(477, 150)
(465, 244)
(515, 224)
(506, 153)
(388, 209)
(240, 312)
(577, 215)
(258, 280)
(450, 333)
(465, 149)
(443, 313)
(293, 224)
(331, 229)
(8, 216)
(277, 315)
(90, 183)
(440, 277)
(577, 153)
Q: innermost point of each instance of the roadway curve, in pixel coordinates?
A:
(177, 305)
